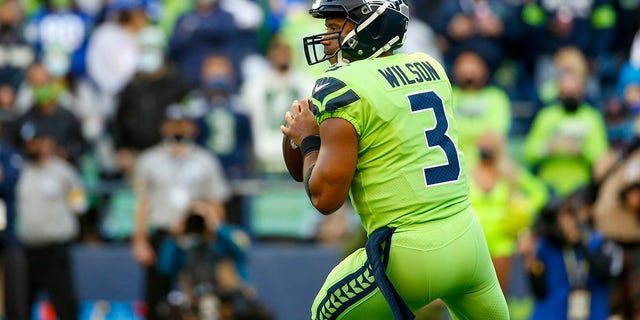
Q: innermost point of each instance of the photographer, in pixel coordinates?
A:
(170, 180)
(570, 264)
(211, 269)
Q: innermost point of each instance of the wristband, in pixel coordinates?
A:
(309, 144)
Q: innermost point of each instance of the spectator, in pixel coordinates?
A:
(49, 195)
(51, 119)
(142, 103)
(506, 197)
(267, 96)
(79, 95)
(8, 114)
(170, 179)
(551, 25)
(112, 54)
(478, 105)
(205, 30)
(570, 265)
(420, 36)
(58, 23)
(568, 60)
(18, 54)
(630, 71)
(566, 138)
(480, 26)
(295, 25)
(224, 128)
(36, 75)
(248, 17)
(12, 256)
(619, 122)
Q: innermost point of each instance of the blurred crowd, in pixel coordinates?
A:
(156, 122)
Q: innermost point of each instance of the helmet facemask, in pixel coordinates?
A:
(313, 46)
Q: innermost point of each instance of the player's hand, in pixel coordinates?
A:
(300, 121)
(143, 252)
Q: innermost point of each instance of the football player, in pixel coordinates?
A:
(379, 128)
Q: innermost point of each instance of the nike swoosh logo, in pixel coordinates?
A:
(320, 87)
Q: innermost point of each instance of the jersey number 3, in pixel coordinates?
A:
(437, 137)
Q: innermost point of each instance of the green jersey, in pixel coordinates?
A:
(409, 169)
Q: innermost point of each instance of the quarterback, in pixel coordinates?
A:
(379, 129)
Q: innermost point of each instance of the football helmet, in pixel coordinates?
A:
(379, 26)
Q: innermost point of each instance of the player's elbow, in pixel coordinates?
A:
(325, 203)
(327, 191)
(325, 207)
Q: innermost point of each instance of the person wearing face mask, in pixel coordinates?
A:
(142, 102)
(205, 30)
(620, 131)
(267, 96)
(50, 26)
(47, 114)
(505, 197)
(79, 94)
(49, 191)
(112, 53)
(171, 179)
(18, 55)
(224, 127)
(478, 105)
(567, 138)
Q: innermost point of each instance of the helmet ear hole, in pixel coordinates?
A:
(366, 10)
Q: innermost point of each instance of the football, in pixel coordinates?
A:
(292, 158)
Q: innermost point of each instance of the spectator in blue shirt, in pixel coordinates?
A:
(12, 256)
(205, 30)
(59, 24)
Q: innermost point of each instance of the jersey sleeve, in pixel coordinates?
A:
(333, 98)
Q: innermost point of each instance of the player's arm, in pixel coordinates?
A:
(330, 167)
(333, 167)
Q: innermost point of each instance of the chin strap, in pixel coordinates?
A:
(341, 61)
